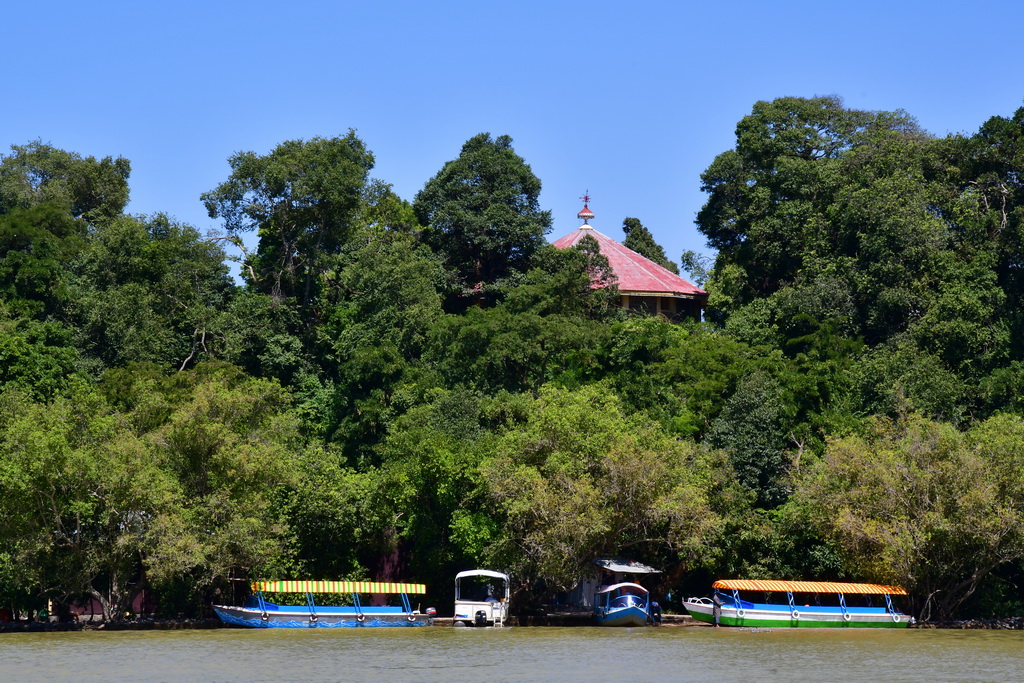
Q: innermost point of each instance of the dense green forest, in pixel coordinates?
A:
(401, 390)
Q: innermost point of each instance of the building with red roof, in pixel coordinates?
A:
(645, 286)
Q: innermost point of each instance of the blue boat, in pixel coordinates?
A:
(623, 604)
(260, 613)
(729, 608)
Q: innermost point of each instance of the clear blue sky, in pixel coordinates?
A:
(631, 100)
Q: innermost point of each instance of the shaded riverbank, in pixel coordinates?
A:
(532, 620)
(1007, 624)
(125, 625)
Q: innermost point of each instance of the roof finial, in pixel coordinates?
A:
(586, 214)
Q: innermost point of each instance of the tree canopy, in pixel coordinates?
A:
(302, 199)
(87, 188)
(401, 390)
(482, 211)
(640, 240)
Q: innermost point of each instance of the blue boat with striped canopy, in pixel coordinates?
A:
(729, 608)
(258, 612)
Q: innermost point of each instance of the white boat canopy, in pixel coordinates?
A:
(635, 587)
(481, 572)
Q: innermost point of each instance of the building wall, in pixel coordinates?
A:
(673, 308)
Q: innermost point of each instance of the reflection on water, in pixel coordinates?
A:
(516, 654)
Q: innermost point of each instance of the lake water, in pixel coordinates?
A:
(515, 654)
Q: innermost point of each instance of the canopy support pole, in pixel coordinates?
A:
(360, 617)
(313, 618)
(262, 605)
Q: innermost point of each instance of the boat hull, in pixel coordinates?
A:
(763, 616)
(466, 611)
(625, 616)
(325, 617)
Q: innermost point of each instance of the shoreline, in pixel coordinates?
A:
(524, 621)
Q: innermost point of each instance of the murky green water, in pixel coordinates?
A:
(515, 654)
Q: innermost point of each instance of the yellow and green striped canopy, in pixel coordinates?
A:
(338, 587)
(807, 587)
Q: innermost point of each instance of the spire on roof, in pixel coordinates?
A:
(585, 214)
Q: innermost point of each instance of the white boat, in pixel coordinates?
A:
(481, 597)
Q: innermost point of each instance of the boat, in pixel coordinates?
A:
(622, 604)
(481, 598)
(736, 610)
(259, 613)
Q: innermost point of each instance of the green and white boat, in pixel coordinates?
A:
(821, 604)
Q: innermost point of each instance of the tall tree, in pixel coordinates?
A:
(95, 190)
(379, 305)
(303, 200)
(79, 491)
(767, 197)
(231, 445)
(640, 240)
(752, 429)
(148, 289)
(574, 478)
(919, 504)
(37, 357)
(547, 328)
(985, 287)
(483, 211)
(36, 246)
(144, 479)
(576, 282)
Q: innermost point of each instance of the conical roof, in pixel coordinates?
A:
(635, 273)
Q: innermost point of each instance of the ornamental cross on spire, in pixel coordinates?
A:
(586, 214)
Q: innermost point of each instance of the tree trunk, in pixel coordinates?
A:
(104, 604)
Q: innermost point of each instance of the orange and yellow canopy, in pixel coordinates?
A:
(773, 586)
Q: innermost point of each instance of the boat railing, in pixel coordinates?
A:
(354, 588)
(700, 601)
(499, 614)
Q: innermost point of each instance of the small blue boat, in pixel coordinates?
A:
(624, 604)
(259, 613)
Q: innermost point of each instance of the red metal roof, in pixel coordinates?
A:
(634, 272)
